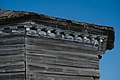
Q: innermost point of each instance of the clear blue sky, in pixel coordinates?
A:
(103, 12)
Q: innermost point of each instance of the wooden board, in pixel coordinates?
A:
(56, 57)
(13, 76)
(12, 57)
(41, 76)
(25, 57)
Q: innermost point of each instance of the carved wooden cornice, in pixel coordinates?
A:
(58, 28)
(98, 42)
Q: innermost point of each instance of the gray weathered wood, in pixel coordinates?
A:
(12, 76)
(55, 57)
(41, 76)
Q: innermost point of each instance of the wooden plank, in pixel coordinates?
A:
(63, 61)
(59, 43)
(27, 22)
(67, 52)
(10, 59)
(40, 76)
(57, 49)
(12, 46)
(56, 69)
(12, 52)
(12, 76)
(13, 34)
(11, 67)
(62, 55)
(12, 40)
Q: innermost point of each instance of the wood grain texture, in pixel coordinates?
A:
(25, 57)
(56, 57)
(41, 76)
(12, 57)
(12, 76)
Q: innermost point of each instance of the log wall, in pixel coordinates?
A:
(49, 59)
(12, 53)
(27, 54)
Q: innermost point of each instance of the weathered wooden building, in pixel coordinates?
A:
(39, 47)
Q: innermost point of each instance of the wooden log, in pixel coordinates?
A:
(11, 59)
(59, 45)
(56, 69)
(12, 76)
(11, 67)
(11, 47)
(50, 51)
(12, 52)
(12, 40)
(63, 54)
(41, 76)
(63, 61)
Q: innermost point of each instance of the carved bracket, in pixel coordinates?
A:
(94, 41)
(57, 33)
